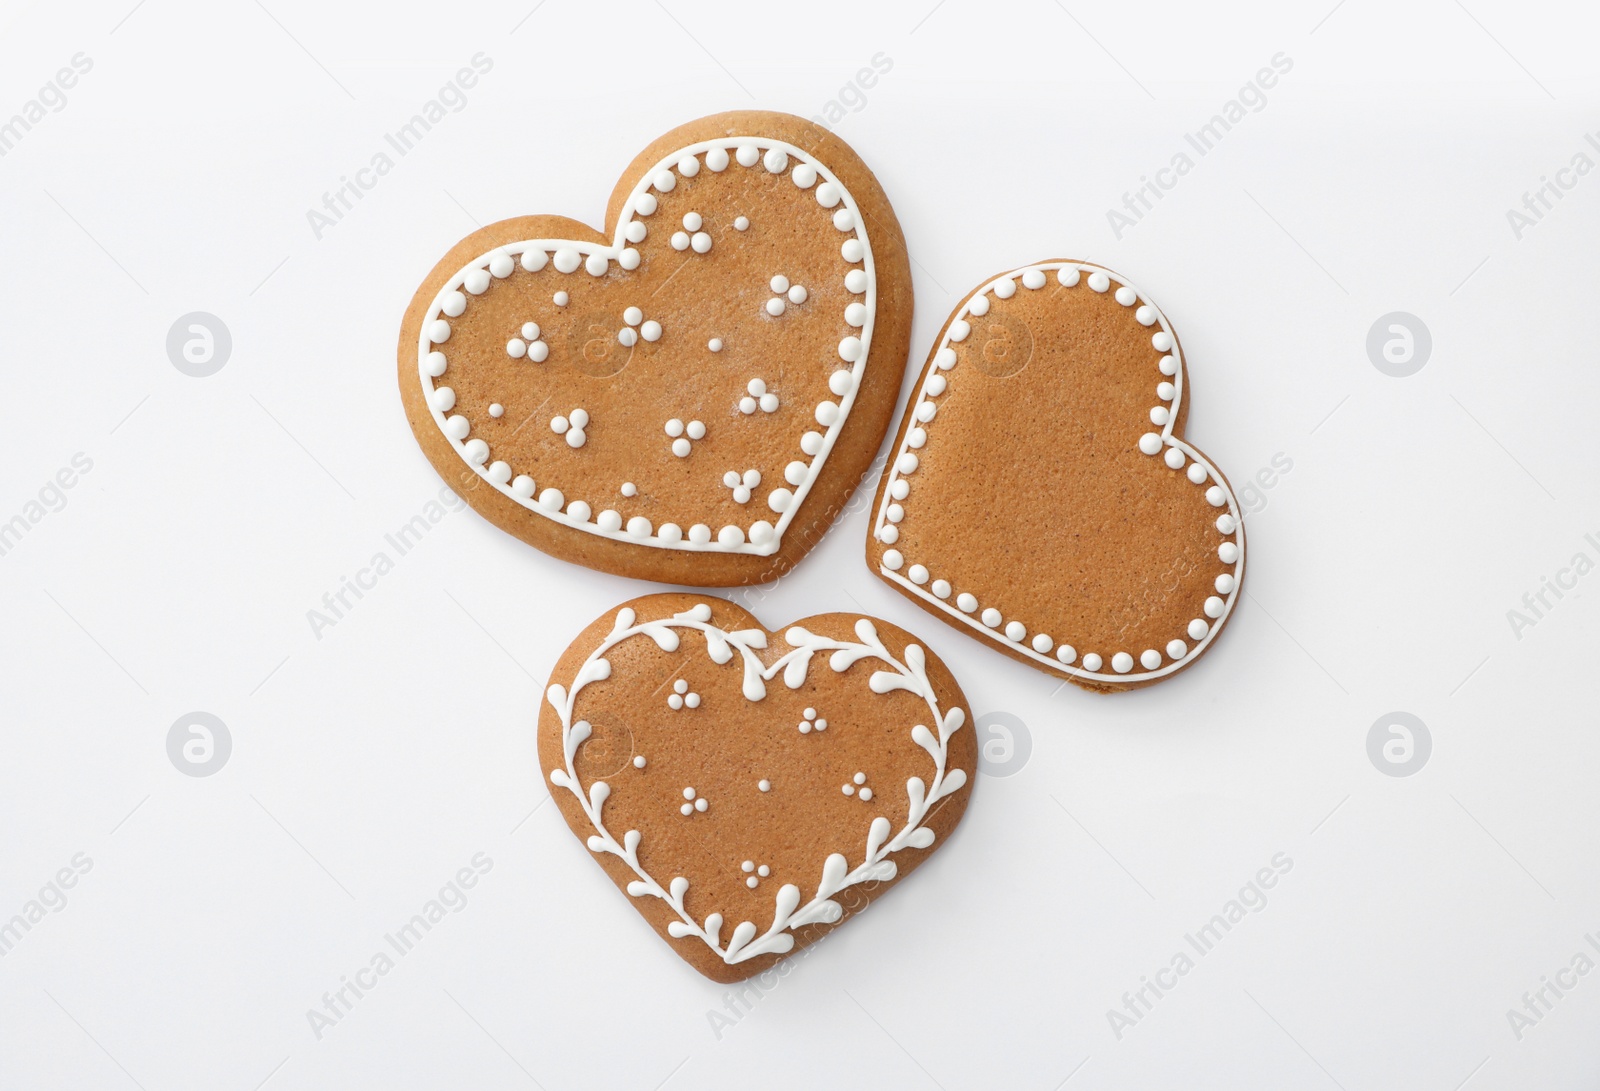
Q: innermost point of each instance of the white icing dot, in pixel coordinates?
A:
(852, 250)
(629, 258)
(633, 316)
(1092, 662)
(747, 406)
(439, 332)
(680, 240)
(827, 414)
(1177, 649)
(1099, 282)
(651, 330)
(1225, 583)
(715, 344)
(798, 294)
(444, 399)
(941, 589)
(1033, 278)
(1066, 653)
(646, 204)
(926, 412)
(534, 260)
(1150, 659)
(764, 785)
(959, 330)
(671, 533)
(692, 221)
(828, 195)
(609, 521)
(978, 305)
(811, 443)
(1127, 296)
(906, 463)
(674, 427)
(552, 500)
(453, 303)
(856, 314)
(1162, 342)
(742, 223)
(1159, 414)
(1016, 631)
(848, 789)
(775, 306)
(936, 385)
(523, 486)
(893, 559)
(628, 336)
(1226, 524)
(577, 438)
(1214, 607)
(990, 617)
(636, 231)
(844, 219)
(596, 264)
(1228, 552)
(1197, 473)
(1216, 497)
(640, 527)
(538, 352)
(476, 281)
(477, 452)
(561, 299)
(1146, 315)
(530, 331)
(516, 348)
(1169, 365)
(701, 804)
(776, 160)
(762, 532)
(1041, 643)
(435, 364)
(889, 535)
(500, 473)
(804, 175)
(1166, 391)
(717, 159)
(966, 603)
(686, 810)
(769, 403)
(730, 536)
(850, 349)
(1150, 443)
(779, 500)
(559, 424)
(701, 242)
(501, 265)
(629, 489)
(457, 427)
(1122, 662)
(496, 410)
(1175, 459)
(795, 472)
(567, 259)
(779, 283)
(1005, 288)
(681, 448)
(748, 155)
(664, 180)
(696, 430)
(918, 574)
(916, 438)
(638, 761)
(855, 281)
(1068, 276)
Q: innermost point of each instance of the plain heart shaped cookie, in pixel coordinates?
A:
(691, 395)
(748, 790)
(1041, 495)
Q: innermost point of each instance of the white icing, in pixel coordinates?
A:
(762, 538)
(1175, 451)
(908, 673)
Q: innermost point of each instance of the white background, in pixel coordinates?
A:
(370, 764)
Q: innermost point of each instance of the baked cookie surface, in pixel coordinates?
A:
(1040, 494)
(691, 395)
(749, 790)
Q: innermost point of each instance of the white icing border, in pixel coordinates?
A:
(1213, 478)
(788, 914)
(478, 459)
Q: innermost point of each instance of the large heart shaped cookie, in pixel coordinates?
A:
(750, 790)
(691, 395)
(1041, 495)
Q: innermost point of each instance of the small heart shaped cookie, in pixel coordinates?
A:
(1041, 495)
(691, 395)
(751, 790)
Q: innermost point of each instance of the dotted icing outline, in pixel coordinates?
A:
(747, 941)
(1125, 665)
(761, 538)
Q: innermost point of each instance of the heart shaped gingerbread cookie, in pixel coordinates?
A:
(691, 395)
(1041, 495)
(751, 790)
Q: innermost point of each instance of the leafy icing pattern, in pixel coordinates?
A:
(747, 940)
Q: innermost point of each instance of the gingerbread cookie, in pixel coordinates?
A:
(691, 395)
(751, 790)
(1040, 494)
